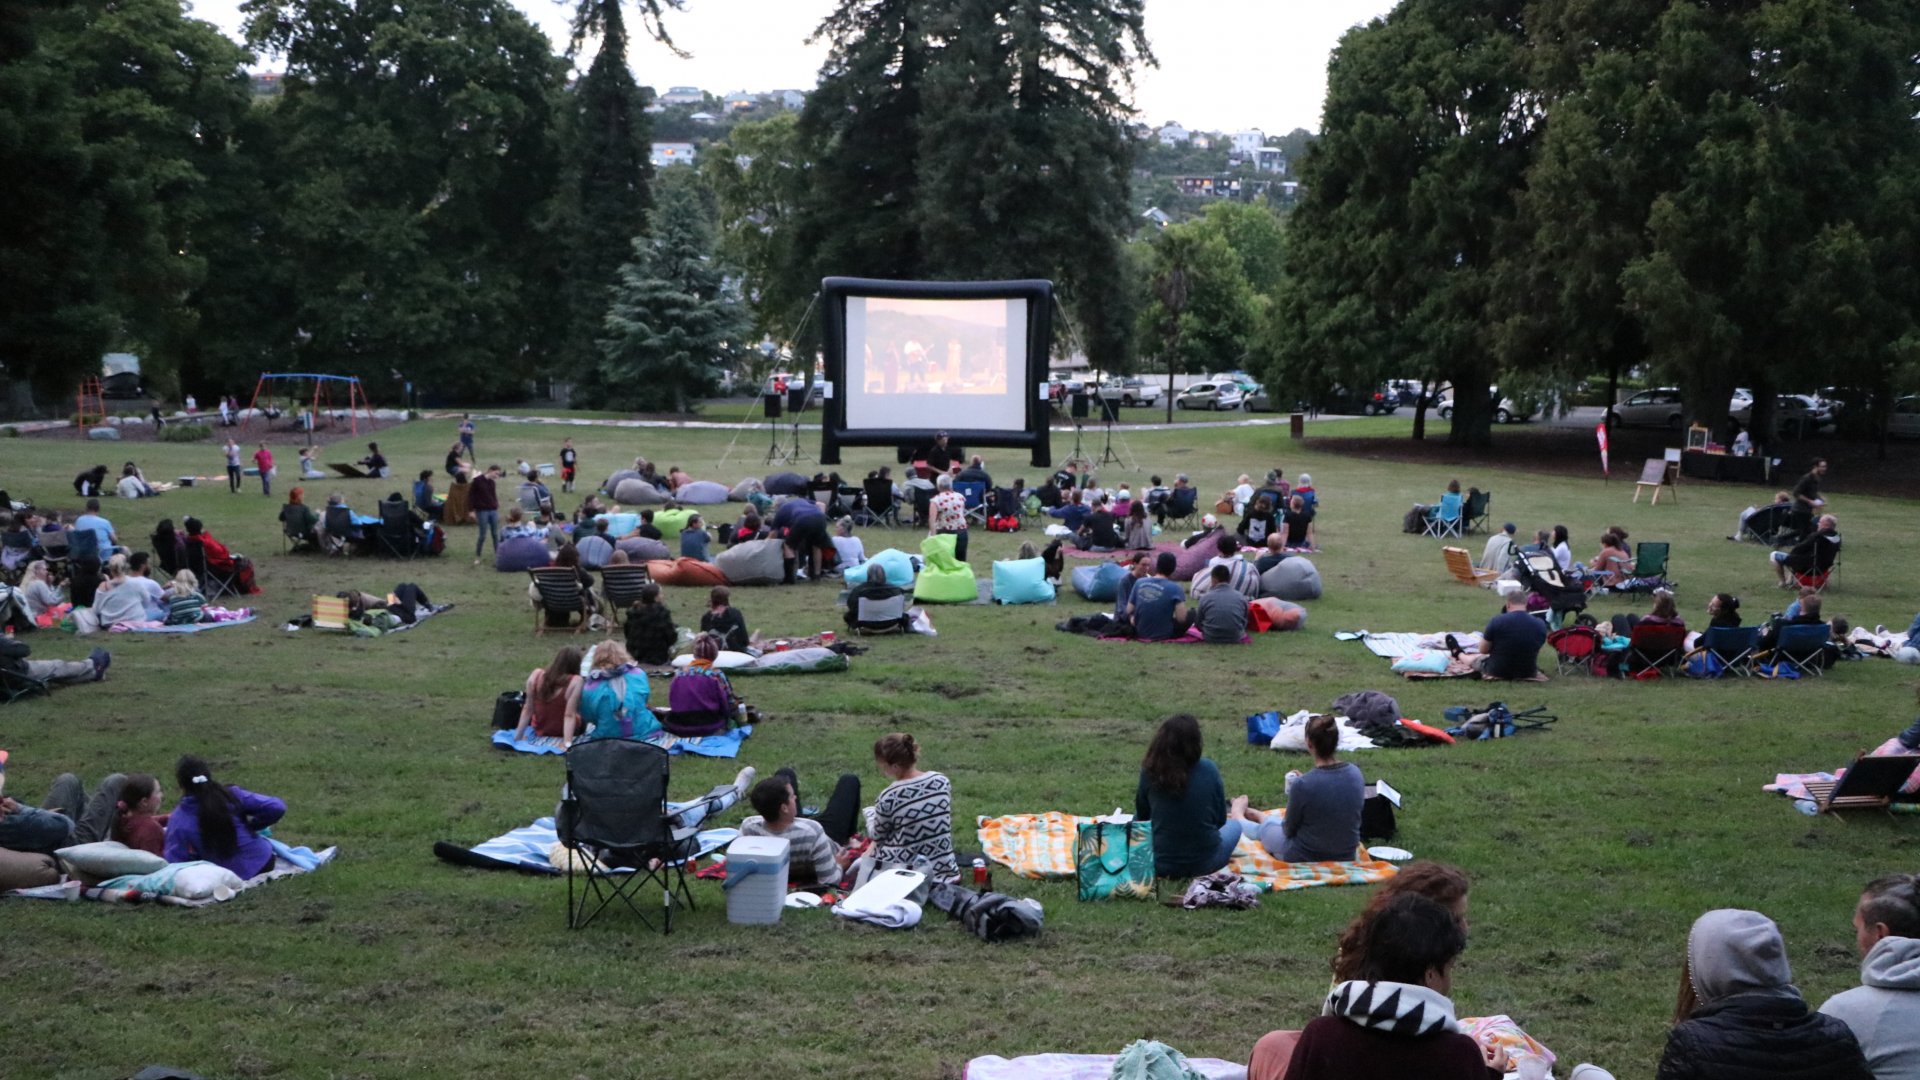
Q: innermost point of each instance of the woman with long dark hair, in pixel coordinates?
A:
(219, 823)
(552, 692)
(1195, 828)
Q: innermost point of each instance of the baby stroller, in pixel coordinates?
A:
(1542, 575)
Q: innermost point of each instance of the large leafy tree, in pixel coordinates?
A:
(669, 328)
(759, 180)
(1200, 312)
(414, 160)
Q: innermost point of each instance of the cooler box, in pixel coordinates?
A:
(756, 883)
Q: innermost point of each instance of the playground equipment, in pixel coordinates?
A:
(276, 386)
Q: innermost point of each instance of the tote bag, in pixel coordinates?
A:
(1114, 860)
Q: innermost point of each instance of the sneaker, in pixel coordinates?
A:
(799, 575)
(743, 780)
(1880, 630)
(101, 658)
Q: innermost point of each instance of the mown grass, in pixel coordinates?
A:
(1592, 845)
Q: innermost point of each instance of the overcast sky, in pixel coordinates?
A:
(1224, 64)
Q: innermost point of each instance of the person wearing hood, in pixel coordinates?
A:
(1884, 1011)
(1740, 1017)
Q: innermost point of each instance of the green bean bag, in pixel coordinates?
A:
(944, 579)
(670, 522)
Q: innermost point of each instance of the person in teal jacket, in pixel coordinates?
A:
(613, 700)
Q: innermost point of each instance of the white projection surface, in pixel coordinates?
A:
(931, 363)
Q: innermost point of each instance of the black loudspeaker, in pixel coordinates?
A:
(1109, 409)
(1080, 405)
(796, 397)
(772, 403)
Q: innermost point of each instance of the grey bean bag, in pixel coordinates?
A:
(756, 562)
(785, 483)
(614, 480)
(702, 493)
(743, 489)
(521, 553)
(643, 549)
(637, 492)
(1292, 578)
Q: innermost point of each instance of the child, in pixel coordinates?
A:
(693, 539)
(569, 463)
(817, 856)
(724, 621)
(184, 602)
(137, 822)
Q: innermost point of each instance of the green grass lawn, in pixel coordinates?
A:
(1592, 845)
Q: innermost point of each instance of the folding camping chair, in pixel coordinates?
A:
(340, 529)
(561, 598)
(881, 505)
(15, 685)
(1819, 578)
(1444, 519)
(330, 613)
(1460, 565)
(213, 584)
(620, 586)
(1649, 568)
(395, 532)
(1725, 650)
(1656, 646)
(613, 825)
(1540, 572)
(1476, 514)
(976, 495)
(1870, 783)
(1802, 646)
(1183, 507)
(1575, 647)
(885, 614)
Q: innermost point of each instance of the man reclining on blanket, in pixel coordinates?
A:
(818, 845)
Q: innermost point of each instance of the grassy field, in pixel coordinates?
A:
(1592, 845)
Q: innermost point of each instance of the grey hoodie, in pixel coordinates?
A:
(1731, 951)
(1884, 1012)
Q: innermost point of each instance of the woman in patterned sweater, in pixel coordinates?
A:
(914, 815)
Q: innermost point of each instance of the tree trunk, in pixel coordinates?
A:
(1420, 418)
(1472, 410)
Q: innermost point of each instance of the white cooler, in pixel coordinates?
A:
(756, 884)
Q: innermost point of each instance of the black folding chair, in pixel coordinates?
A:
(560, 597)
(213, 584)
(613, 825)
(18, 684)
(1478, 512)
(881, 505)
(396, 531)
(340, 529)
(1183, 508)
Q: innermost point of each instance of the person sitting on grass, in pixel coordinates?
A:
(1884, 1011)
(912, 822)
(724, 621)
(849, 550)
(1258, 523)
(1195, 828)
(1512, 641)
(1072, 513)
(1299, 525)
(1158, 606)
(817, 845)
(612, 700)
(185, 605)
(1139, 567)
(701, 699)
(694, 539)
(651, 634)
(45, 601)
(1222, 610)
(1139, 534)
(1322, 822)
(1100, 531)
(551, 693)
(1276, 553)
(220, 823)
(1240, 573)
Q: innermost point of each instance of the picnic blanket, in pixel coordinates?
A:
(138, 888)
(1172, 547)
(1421, 656)
(727, 745)
(527, 848)
(228, 618)
(420, 615)
(1081, 1067)
(1041, 846)
(1794, 785)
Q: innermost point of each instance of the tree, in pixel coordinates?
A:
(760, 180)
(1200, 313)
(668, 329)
(1257, 237)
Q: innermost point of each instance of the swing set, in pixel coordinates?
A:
(277, 386)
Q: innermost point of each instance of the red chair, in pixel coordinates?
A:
(1576, 646)
(1656, 646)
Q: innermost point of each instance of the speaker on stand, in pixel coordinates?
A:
(1079, 407)
(771, 403)
(1109, 412)
(797, 397)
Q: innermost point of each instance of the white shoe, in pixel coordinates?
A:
(799, 575)
(744, 780)
(1880, 630)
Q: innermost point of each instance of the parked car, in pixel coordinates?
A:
(1210, 395)
(1412, 391)
(1904, 421)
(1133, 390)
(790, 380)
(1261, 401)
(1505, 410)
(1659, 407)
(1793, 413)
(1247, 383)
(1378, 401)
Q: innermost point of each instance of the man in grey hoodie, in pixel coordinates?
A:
(1884, 1012)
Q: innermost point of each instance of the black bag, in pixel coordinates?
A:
(1376, 816)
(506, 710)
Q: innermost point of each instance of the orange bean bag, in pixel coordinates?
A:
(685, 571)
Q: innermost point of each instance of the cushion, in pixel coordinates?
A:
(110, 858)
(685, 571)
(1021, 581)
(728, 660)
(702, 493)
(1292, 578)
(25, 870)
(670, 522)
(619, 525)
(637, 492)
(1099, 582)
(742, 489)
(1268, 613)
(943, 578)
(785, 483)
(756, 562)
(1430, 662)
(644, 549)
(899, 564)
(521, 553)
(614, 480)
(1192, 560)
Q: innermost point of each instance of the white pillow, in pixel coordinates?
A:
(110, 858)
(726, 661)
(204, 881)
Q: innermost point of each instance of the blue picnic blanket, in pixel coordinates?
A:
(187, 628)
(726, 746)
(526, 848)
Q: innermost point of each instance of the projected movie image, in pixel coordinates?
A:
(936, 362)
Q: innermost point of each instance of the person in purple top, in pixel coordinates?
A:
(219, 823)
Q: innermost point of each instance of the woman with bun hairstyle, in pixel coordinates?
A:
(913, 817)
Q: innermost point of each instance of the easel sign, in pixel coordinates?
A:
(1696, 439)
(1659, 474)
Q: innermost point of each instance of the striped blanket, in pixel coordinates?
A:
(726, 744)
(530, 847)
(1041, 846)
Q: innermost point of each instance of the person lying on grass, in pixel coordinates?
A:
(818, 845)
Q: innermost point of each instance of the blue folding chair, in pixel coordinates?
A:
(976, 494)
(1724, 650)
(1804, 647)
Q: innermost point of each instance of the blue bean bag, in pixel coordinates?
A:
(619, 525)
(702, 493)
(943, 578)
(785, 483)
(1021, 581)
(521, 553)
(1099, 582)
(899, 567)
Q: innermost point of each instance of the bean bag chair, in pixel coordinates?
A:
(1099, 582)
(619, 525)
(743, 489)
(644, 549)
(756, 562)
(899, 566)
(796, 662)
(702, 493)
(1021, 581)
(521, 553)
(670, 522)
(785, 483)
(23, 870)
(637, 492)
(943, 578)
(685, 571)
(1192, 560)
(1292, 578)
(1268, 614)
(614, 480)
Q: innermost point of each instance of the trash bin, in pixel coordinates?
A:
(1297, 425)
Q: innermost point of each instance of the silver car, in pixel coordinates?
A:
(1659, 407)
(1209, 395)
